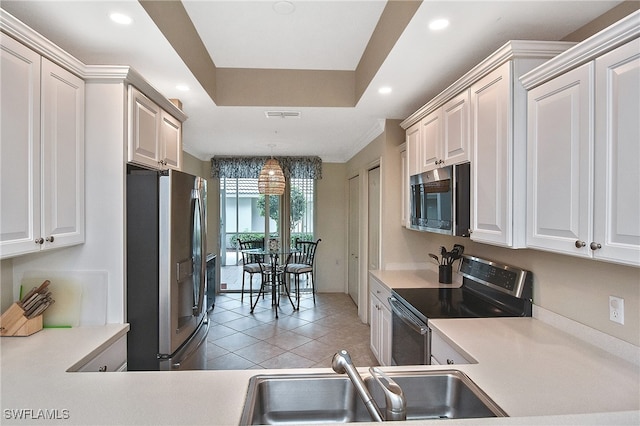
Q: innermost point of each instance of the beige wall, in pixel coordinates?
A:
(331, 227)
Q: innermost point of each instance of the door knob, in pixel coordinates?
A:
(580, 244)
(39, 240)
(50, 239)
(595, 246)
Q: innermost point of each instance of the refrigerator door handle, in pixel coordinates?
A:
(195, 347)
(199, 223)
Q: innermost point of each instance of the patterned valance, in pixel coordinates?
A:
(249, 167)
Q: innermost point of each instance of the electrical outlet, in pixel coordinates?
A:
(616, 309)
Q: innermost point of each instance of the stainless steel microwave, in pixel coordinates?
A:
(440, 200)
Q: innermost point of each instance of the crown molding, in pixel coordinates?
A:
(598, 44)
(13, 27)
(513, 49)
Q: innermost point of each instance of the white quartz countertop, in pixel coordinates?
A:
(419, 278)
(527, 367)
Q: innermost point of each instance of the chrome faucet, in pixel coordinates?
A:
(396, 403)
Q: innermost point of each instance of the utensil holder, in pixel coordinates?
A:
(445, 274)
(14, 323)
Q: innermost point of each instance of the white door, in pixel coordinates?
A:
(491, 197)
(617, 150)
(354, 238)
(62, 156)
(431, 141)
(171, 141)
(373, 261)
(19, 149)
(144, 130)
(455, 127)
(560, 142)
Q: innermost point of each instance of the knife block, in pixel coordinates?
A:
(14, 323)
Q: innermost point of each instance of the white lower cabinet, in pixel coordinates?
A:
(584, 159)
(41, 153)
(112, 359)
(380, 321)
(442, 353)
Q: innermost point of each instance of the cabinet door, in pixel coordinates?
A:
(385, 335)
(19, 149)
(560, 145)
(171, 141)
(491, 195)
(413, 149)
(62, 156)
(617, 154)
(431, 140)
(144, 130)
(374, 323)
(455, 123)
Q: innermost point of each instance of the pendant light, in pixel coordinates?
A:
(271, 179)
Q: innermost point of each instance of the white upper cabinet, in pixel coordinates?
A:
(431, 141)
(42, 153)
(413, 149)
(481, 118)
(560, 155)
(455, 126)
(155, 137)
(584, 150)
(617, 156)
(492, 186)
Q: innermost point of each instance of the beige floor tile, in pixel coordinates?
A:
(287, 360)
(259, 352)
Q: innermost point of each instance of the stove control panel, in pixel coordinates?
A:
(506, 278)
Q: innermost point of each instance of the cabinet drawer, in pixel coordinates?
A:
(443, 353)
(113, 358)
(377, 289)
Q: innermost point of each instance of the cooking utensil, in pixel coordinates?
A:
(433, 256)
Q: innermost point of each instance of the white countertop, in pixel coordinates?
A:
(526, 366)
(418, 278)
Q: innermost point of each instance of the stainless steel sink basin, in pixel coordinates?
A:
(331, 398)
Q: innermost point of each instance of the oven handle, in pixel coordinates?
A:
(407, 317)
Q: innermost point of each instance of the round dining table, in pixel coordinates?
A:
(272, 269)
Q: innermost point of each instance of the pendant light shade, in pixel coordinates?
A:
(271, 179)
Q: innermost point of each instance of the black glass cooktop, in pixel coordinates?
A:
(463, 302)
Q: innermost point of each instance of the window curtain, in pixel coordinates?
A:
(249, 167)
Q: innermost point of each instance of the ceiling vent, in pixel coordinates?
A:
(282, 114)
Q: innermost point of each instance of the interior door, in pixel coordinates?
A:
(373, 261)
(354, 238)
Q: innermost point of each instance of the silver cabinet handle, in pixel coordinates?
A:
(450, 361)
(595, 246)
(50, 239)
(39, 240)
(580, 244)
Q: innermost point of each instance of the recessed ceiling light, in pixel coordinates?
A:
(284, 7)
(120, 18)
(438, 24)
(182, 87)
(384, 90)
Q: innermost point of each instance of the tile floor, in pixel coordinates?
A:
(297, 339)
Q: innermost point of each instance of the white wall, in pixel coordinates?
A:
(105, 213)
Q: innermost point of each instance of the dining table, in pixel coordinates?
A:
(273, 269)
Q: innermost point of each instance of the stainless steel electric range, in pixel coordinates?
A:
(489, 289)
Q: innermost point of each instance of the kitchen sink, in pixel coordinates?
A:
(331, 398)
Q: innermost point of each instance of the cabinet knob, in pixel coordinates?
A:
(102, 369)
(450, 361)
(595, 246)
(39, 240)
(50, 239)
(580, 244)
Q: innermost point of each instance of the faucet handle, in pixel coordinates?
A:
(393, 395)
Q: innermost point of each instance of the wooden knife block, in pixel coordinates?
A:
(14, 323)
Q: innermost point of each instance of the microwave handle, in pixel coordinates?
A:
(407, 317)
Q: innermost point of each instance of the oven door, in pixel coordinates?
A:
(410, 339)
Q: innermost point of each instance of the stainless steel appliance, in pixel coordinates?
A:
(440, 200)
(489, 289)
(166, 270)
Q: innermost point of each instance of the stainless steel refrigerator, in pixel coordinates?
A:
(166, 271)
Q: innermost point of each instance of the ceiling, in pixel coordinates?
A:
(243, 58)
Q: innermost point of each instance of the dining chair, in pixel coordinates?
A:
(251, 264)
(301, 262)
